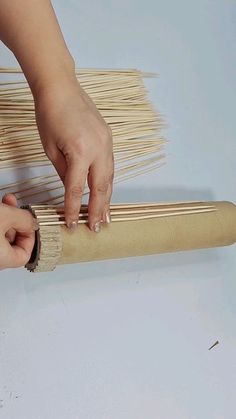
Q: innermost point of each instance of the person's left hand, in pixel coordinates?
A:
(17, 234)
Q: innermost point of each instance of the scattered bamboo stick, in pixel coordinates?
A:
(214, 344)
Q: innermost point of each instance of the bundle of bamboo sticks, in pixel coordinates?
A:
(121, 98)
(48, 215)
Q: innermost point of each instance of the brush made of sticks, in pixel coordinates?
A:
(135, 230)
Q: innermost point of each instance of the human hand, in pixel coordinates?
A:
(74, 135)
(17, 234)
(78, 142)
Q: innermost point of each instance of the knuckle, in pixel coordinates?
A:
(74, 148)
(79, 148)
(76, 191)
(101, 188)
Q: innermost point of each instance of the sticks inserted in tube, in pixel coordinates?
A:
(135, 230)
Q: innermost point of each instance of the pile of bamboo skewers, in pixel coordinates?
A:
(121, 98)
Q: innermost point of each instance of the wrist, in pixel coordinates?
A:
(51, 76)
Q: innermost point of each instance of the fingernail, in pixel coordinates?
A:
(97, 227)
(72, 225)
(108, 217)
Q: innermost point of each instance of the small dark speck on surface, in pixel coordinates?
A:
(214, 344)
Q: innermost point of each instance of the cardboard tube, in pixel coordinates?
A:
(152, 236)
(148, 236)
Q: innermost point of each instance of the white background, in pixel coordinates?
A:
(129, 339)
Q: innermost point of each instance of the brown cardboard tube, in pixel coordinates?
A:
(143, 237)
(146, 237)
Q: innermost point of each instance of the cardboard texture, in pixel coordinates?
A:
(153, 236)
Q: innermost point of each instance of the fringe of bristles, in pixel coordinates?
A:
(121, 98)
(48, 215)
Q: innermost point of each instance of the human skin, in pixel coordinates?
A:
(17, 234)
(74, 135)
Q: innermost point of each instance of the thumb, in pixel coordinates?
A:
(21, 220)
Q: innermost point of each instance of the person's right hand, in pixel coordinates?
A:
(76, 138)
(78, 142)
(17, 234)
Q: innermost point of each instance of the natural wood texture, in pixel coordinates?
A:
(49, 215)
(120, 96)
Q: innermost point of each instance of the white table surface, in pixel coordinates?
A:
(129, 339)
